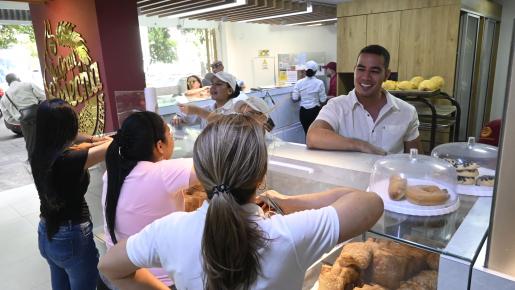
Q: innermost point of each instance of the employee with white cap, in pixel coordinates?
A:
(311, 93)
(224, 91)
(258, 107)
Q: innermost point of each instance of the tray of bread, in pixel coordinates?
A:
(375, 264)
(474, 163)
(415, 184)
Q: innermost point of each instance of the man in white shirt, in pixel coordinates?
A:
(19, 96)
(368, 119)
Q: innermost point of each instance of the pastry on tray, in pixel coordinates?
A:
(485, 180)
(397, 187)
(466, 180)
(355, 254)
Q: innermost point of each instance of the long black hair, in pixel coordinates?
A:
(134, 142)
(57, 128)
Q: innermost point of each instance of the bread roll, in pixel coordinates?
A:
(397, 187)
(416, 80)
(355, 254)
(439, 81)
(405, 86)
(389, 85)
(428, 85)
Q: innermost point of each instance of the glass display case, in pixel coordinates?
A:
(415, 184)
(474, 164)
(456, 237)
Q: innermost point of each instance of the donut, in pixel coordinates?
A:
(469, 165)
(466, 180)
(397, 187)
(426, 195)
(485, 180)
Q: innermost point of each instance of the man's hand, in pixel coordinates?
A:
(371, 149)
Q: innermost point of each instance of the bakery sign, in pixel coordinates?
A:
(71, 75)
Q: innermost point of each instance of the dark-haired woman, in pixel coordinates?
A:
(224, 91)
(60, 163)
(195, 88)
(311, 93)
(228, 243)
(141, 185)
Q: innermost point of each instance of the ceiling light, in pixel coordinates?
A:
(210, 9)
(309, 9)
(310, 22)
(316, 24)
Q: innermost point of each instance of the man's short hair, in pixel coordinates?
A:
(9, 78)
(377, 50)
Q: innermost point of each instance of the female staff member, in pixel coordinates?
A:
(224, 91)
(195, 89)
(141, 184)
(60, 171)
(311, 92)
(228, 243)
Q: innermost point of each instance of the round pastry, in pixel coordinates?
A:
(467, 172)
(485, 180)
(469, 165)
(427, 195)
(405, 86)
(416, 80)
(466, 180)
(397, 187)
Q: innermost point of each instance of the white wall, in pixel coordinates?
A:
(503, 54)
(241, 42)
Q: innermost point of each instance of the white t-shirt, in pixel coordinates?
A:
(297, 241)
(23, 94)
(311, 92)
(396, 123)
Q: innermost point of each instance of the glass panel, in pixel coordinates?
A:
(467, 54)
(484, 74)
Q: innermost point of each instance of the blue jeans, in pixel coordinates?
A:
(71, 255)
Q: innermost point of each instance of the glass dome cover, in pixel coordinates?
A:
(483, 154)
(417, 171)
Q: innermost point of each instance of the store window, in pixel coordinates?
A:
(171, 54)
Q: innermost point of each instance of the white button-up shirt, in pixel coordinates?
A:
(396, 123)
(23, 94)
(310, 91)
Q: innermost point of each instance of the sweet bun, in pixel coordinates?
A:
(397, 187)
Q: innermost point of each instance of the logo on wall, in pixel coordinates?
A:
(71, 75)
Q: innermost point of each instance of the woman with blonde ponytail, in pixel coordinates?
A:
(228, 243)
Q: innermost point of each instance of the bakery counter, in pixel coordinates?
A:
(456, 237)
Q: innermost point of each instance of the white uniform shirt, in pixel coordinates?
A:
(396, 123)
(23, 94)
(297, 241)
(311, 92)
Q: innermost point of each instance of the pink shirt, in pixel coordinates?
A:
(151, 191)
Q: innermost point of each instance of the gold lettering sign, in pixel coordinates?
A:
(72, 76)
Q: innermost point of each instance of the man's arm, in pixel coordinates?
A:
(322, 136)
(416, 143)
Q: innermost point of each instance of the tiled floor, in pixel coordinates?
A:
(22, 267)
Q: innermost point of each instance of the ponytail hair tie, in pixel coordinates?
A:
(222, 188)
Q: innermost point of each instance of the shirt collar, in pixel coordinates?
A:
(391, 101)
(252, 209)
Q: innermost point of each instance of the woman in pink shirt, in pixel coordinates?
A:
(141, 183)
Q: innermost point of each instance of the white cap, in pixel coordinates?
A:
(311, 65)
(257, 104)
(224, 77)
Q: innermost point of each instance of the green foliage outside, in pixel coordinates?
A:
(9, 33)
(162, 48)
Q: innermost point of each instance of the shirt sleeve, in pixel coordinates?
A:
(38, 92)
(412, 131)
(176, 173)
(142, 247)
(321, 92)
(295, 95)
(314, 232)
(329, 114)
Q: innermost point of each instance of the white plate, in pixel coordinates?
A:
(406, 207)
(475, 189)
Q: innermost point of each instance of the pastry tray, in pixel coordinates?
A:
(406, 207)
(476, 190)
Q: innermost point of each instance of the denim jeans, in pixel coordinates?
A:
(71, 255)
